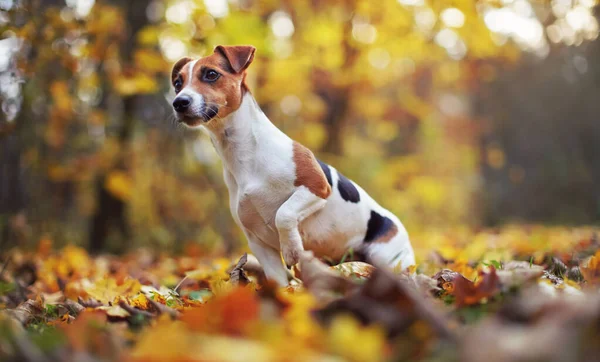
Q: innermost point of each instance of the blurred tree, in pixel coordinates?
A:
(110, 209)
(383, 89)
(542, 139)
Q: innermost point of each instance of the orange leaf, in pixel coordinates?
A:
(239, 308)
(468, 293)
(591, 270)
(229, 313)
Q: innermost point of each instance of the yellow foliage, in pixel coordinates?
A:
(119, 184)
(108, 291)
(169, 340)
(61, 97)
(151, 61)
(138, 83)
(148, 36)
(298, 326)
(429, 190)
(345, 331)
(376, 72)
(140, 301)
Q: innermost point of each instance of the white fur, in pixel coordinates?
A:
(278, 217)
(197, 98)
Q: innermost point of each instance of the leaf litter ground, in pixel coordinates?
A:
(516, 294)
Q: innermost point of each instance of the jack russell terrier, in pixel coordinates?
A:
(280, 195)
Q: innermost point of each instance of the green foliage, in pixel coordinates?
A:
(6, 287)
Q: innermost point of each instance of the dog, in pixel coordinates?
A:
(282, 197)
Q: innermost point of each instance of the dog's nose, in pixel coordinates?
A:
(182, 103)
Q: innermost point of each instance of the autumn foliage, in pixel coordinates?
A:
(117, 243)
(65, 304)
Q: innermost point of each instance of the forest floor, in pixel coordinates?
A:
(521, 293)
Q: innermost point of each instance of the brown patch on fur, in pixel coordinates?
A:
(178, 66)
(239, 56)
(389, 235)
(309, 173)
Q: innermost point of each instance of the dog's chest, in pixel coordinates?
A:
(261, 174)
(260, 192)
(257, 208)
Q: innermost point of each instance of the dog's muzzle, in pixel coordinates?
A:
(182, 103)
(185, 112)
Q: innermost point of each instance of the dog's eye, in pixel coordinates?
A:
(211, 75)
(178, 84)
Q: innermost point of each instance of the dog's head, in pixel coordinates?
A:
(210, 87)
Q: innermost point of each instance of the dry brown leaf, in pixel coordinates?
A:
(421, 282)
(468, 293)
(516, 274)
(590, 269)
(556, 330)
(237, 276)
(114, 311)
(387, 300)
(27, 311)
(324, 283)
(354, 269)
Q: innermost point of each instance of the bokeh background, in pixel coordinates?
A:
(457, 115)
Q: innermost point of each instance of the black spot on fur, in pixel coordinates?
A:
(347, 189)
(378, 226)
(327, 171)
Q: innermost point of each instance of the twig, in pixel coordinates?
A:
(90, 303)
(161, 308)
(179, 284)
(133, 311)
(5, 265)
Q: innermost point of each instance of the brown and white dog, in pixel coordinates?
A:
(283, 198)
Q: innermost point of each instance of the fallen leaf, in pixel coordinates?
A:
(354, 269)
(345, 331)
(107, 290)
(323, 282)
(230, 313)
(114, 311)
(237, 276)
(468, 293)
(27, 311)
(518, 274)
(590, 270)
(388, 301)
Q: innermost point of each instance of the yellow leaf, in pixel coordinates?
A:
(344, 333)
(166, 341)
(107, 290)
(150, 61)
(139, 301)
(138, 83)
(297, 317)
(114, 311)
(148, 36)
(119, 185)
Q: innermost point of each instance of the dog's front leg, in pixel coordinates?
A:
(299, 206)
(269, 259)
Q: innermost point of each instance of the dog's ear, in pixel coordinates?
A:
(239, 56)
(177, 67)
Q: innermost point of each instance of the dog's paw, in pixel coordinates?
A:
(291, 255)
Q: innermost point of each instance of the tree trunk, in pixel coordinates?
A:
(12, 198)
(337, 98)
(111, 211)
